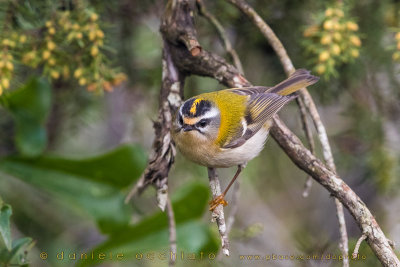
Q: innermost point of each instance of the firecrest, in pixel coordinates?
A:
(229, 127)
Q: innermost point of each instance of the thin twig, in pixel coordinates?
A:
(267, 32)
(310, 140)
(222, 34)
(306, 97)
(343, 244)
(218, 213)
(361, 239)
(172, 231)
(135, 189)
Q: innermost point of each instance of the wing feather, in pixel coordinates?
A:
(261, 108)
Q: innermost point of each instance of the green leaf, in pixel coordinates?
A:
(5, 231)
(151, 234)
(17, 254)
(102, 202)
(30, 106)
(92, 186)
(118, 168)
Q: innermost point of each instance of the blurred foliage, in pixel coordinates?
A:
(68, 200)
(248, 233)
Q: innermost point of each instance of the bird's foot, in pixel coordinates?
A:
(218, 201)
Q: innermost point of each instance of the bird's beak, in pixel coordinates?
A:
(187, 127)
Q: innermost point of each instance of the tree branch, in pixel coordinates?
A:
(163, 154)
(163, 151)
(178, 25)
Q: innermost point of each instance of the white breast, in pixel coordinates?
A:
(242, 154)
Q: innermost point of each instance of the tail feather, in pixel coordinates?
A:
(299, 79)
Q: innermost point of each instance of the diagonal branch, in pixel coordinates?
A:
(306, 161)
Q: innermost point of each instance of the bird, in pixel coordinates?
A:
(229, 127)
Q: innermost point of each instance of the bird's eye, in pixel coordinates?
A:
(203, 123)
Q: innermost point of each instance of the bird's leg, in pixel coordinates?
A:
(220, 199)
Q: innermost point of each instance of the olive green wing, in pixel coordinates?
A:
(261, 107)
(265, 102)
(299, 79)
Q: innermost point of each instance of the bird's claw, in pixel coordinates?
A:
(218, 201)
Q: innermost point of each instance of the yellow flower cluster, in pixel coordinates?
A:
(70, 43)
(332, 40)
(6, 59)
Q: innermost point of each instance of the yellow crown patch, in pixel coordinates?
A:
(194, 105)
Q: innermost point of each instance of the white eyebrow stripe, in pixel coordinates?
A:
(180, 110)
(210, 114)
